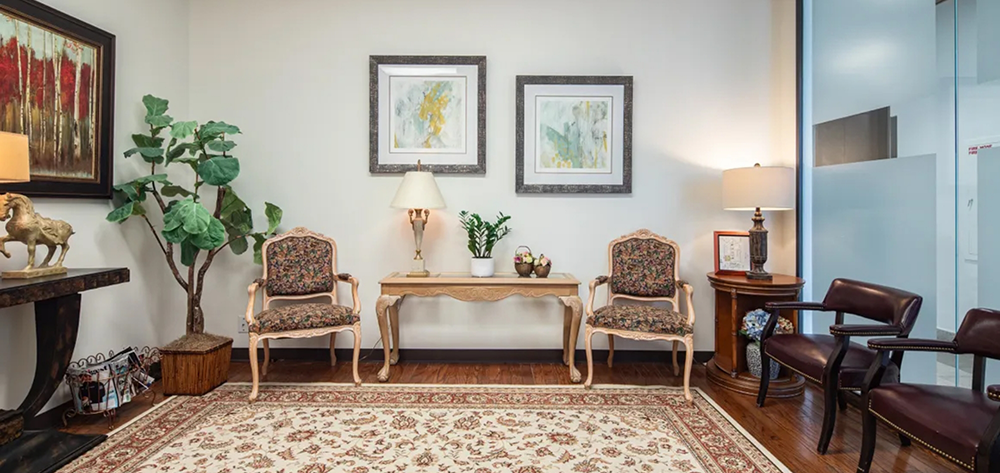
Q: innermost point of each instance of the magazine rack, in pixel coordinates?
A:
(101, 384)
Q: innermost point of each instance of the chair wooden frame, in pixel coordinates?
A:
(687, 339)
(301, 232)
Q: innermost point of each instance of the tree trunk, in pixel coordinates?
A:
(27, 93)
(57, 108)
(92, 112)
(20, 75)
(76, 105)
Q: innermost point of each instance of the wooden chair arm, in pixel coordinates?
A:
(689, 298)
(593, 288)
(252, 293)
(354, 291)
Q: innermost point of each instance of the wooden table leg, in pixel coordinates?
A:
(56, 323)
(567, 322)
(382, 311)
(394, 328)
(574, 308)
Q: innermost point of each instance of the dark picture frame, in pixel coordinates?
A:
(625, 184)
(715, 243)
(100, 186)
(374, 114)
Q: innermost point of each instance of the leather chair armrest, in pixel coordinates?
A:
(865, 330)
(911, 344)
(795, 305)
(993, 391)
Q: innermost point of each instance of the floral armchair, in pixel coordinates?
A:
(299, 265)
(643, 268)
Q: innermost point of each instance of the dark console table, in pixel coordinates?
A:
(57, 319)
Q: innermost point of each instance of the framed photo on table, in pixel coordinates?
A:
(732, 253)
(59, 91)
(574, 135)
(430, 109)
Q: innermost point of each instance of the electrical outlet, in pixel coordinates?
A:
(243, 325)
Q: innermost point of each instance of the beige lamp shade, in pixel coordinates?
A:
(14, 158)
(764, 187)
(418, 191)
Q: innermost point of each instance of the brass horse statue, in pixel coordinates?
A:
(31, 229)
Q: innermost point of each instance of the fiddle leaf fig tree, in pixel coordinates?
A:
(198, 232)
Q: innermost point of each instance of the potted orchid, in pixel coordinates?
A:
(753, 329)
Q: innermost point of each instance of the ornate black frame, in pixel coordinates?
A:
(624, 188)
(104, 41)
(373, 165)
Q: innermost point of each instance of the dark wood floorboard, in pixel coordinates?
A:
(789, 428)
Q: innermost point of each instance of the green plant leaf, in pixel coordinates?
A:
(151, 153)
(181, 130)
(235, 214)
(159, 121)
(174, 191)
(219, 171)
(221, 146)
(130, 152)
(153, 178)
(211, 238)
(189, 253)
(122, 213)
(259, 240)
(176, 235)
(274, 214)
(239, 245)
(191, 162)
(146, 141)
(154, 105)
(213, 129)
(176, 152)
(129, 190)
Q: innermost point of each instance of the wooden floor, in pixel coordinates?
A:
(788, 428)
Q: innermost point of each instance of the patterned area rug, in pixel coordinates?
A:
(320, 428)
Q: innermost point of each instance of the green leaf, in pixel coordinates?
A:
(196, 220)
(176, 235)
(191, 162)
(155, 106)
(181, 130)
(221, 146)
(129, 190)
(146, 141)
(219, 171)
(274, 214)
(130, 152)
(138, 209)
(153, 178)
(235, 215)
(122, 213)
(151, 152)
(174, 191)
(189, 253)
(213, 129)
(239, 245)
(176, 152)
(259, 240)
(212, 238)
(159, 121)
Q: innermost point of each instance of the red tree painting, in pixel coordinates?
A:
(48, 84)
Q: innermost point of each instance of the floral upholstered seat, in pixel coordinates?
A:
(301, 317)
(640, 318)
(300, 265)
(643, 268)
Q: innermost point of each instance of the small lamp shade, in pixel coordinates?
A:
(767, 188)
(13, 158)
(418, 191)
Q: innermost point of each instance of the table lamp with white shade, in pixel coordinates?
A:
(14, 165)
(418, 193)
(758, 188)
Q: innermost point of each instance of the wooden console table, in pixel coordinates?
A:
(734, 297)
(464, 287)
(57, 319)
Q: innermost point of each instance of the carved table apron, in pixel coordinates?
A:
(57, 319)
(464, 287)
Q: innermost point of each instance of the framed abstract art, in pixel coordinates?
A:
(57, 87)
(574, 135)
(430, 109)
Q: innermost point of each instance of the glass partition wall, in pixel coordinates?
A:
(900, 154)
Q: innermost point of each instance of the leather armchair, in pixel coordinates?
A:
(960, 424)
(833, 361)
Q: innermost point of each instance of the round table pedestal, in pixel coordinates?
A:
(745, 383)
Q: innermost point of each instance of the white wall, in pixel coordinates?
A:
(152, 57)
(714, 88)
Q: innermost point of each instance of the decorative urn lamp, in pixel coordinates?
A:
(418, 194)
(758, 188)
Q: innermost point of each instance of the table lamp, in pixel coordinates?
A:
(13, 158)
(418, 193)
(758, 188)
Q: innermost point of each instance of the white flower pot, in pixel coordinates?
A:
(482, 267)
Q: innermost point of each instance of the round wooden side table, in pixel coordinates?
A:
(735, 295)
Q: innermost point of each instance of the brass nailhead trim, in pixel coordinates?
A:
(838, 332)
(994, 396)
(939, 452)
(913, 347)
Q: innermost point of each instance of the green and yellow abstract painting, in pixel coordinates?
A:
(574, 134)
(427, 114)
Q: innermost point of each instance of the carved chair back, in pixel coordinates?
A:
(299, 264)
(644, 266)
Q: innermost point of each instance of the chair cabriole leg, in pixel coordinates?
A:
(357, 352)
(829, 415)
(253, 367)
(267, 358)
(688, 362)
(588, 333)
(765, 376)
(611, 350)
(677, 367)
(867, 438)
